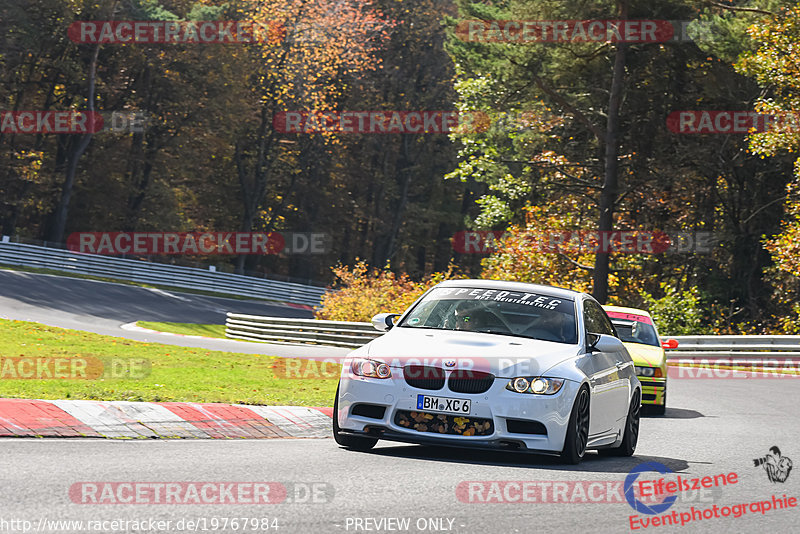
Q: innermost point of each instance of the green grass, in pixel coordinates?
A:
(191, 329)
(172, 373)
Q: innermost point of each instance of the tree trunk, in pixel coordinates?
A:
(399, 214)
(608, 196)
(140, 165)
(78, 148)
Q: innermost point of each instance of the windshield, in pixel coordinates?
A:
(637, 332)
(494, 311)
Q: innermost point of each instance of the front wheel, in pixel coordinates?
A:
(357, 443)
(577, 429)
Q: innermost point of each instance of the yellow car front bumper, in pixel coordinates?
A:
(653, 390)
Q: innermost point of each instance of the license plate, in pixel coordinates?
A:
(443, 404)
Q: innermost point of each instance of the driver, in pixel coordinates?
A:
(469, 316)
(642, 334)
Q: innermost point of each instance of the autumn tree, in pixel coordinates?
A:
(306, 67)
(403, 212)
(775, 65)
(555, 96)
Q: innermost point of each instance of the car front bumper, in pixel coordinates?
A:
(503, 408)
(654, 390)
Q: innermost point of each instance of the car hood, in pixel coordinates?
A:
(647, 355)
(503, 356)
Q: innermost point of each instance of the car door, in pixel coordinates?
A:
(609, 388)
(624, 365)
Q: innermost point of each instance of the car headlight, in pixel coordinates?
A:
(538, 385)
(520, 385)
(370, 368)
(648, 371)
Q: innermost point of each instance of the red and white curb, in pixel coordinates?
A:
(166, 420)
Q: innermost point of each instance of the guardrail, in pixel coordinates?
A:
(745, 350)
(157, 273)
(299, 331)
(741, 349)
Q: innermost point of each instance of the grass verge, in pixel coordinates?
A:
(189, 329)
(136, 371)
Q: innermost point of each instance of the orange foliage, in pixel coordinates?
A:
(324, 42)
(363, 293)
(519, 257)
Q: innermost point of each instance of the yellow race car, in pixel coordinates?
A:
(638, 333)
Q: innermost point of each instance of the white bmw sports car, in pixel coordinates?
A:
(489, 364)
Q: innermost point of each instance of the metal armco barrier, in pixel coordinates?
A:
(745, 351)
(158, 273)
(299, 331)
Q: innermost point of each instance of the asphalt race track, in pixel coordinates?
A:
(104, 307)
(712, 427)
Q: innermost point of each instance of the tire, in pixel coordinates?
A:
(631, 436)
(356, 443)
(577, 429)
(661, 409)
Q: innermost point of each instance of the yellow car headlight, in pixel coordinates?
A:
(647, 371)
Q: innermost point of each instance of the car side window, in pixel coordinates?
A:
(595, 319)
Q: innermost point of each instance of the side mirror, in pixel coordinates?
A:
(384, 321)
(604, 343)
(669, 343)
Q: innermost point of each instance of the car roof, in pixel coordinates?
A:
(550, 291)
(622, 309)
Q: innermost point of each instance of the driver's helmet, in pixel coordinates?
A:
(468, 315)
(642, 333)
(636, 330)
